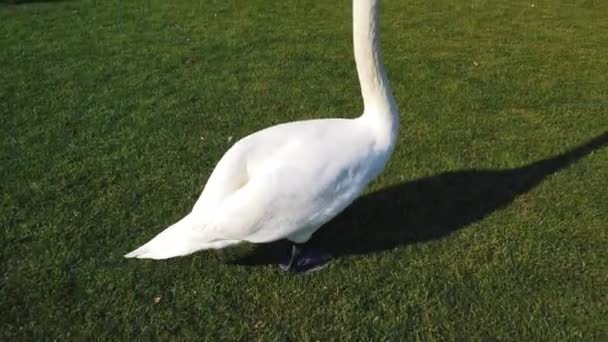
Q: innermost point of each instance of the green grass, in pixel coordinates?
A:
(489, 223)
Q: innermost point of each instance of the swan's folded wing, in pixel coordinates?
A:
(285, 180)
(268, 207)
(286, 201)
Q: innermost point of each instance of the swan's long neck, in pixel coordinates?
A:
(378, 100)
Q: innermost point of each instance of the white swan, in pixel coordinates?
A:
(286, 181)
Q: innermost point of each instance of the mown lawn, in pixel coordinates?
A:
(491, 221)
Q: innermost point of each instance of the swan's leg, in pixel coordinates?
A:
(305, 260)
(290, 264)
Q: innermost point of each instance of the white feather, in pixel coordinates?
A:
(288, 180)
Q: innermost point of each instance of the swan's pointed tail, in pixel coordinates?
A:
(182, 238)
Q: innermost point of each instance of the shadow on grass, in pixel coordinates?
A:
(425, 209)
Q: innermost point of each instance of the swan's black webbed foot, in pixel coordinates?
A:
(304, 259)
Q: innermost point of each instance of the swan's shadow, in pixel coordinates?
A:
(426, 209)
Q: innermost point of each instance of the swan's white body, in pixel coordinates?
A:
(286, 181)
